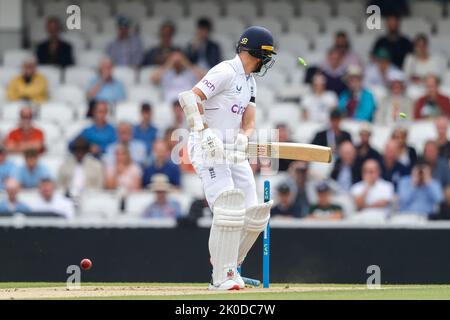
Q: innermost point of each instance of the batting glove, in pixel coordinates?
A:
(212, 145)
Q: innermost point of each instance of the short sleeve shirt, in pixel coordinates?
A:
(228, 91)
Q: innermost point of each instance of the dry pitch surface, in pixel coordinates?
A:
(198, 291)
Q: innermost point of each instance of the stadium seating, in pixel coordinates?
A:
(137, 202)
(7, 73)
(350, 9)
(89, 58)
(56, 112)
(78, 76)
(243, 10)
(317, 9)
(280, 10)
(427, 9)
(127, 111)
(96, 9)
(15, 57)
(70, 94)
(134, 10)
(99, 204)
(301, 28)
(168, 10)
(198, 9)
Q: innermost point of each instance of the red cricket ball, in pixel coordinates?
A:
(86, 264)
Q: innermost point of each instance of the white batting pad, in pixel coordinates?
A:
(228, 221)
(256, 219)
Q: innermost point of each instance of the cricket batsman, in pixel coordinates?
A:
(220, 111)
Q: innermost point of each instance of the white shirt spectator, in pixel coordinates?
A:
(318, 107)
(381, 190)
(173, 83)
(58, 204)
(414, 67)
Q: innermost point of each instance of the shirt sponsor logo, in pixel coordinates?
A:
(237, 109)
(208, 84)
(238, 88)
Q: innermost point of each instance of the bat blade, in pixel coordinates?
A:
(292, 151)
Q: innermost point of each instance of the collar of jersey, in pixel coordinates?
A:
(238, 64)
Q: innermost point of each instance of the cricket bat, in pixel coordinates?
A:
(292, 151)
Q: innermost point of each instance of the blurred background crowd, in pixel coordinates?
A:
(89, 117)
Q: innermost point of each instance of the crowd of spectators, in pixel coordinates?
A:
(128, 157)
(398, 180)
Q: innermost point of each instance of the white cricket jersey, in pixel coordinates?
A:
(228, 91)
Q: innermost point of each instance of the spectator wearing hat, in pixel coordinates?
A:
(285, 206)
(364, 150)
(32, 171)
(397, 45)
(145, 131)
(176, 75)
(26, 135)
(391, 169)
(357, 102)
(80, 171)
(407, 154)
(378, 72)
(202, 51)
(162, 163)
(440, 169)
(441, 124)
(126, 49)
(333, 136)
(104, 87)
(318, 103)
(419, 193)
(101, 133)
(51, 201)
(123, 174)
(30, 85)
(8, 169)
(372, 194)
(162, 207)
(419, 64)
(433, 103)
(395, 102)
(137, 148)
(12, 204)
(324, 209)
(159, 54)
(347, 170)
(54, 51)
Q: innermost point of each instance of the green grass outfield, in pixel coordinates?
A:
(196, 291)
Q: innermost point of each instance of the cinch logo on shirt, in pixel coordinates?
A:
(209, 84)
(237, 109)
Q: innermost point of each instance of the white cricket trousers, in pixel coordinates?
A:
(218, 178)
